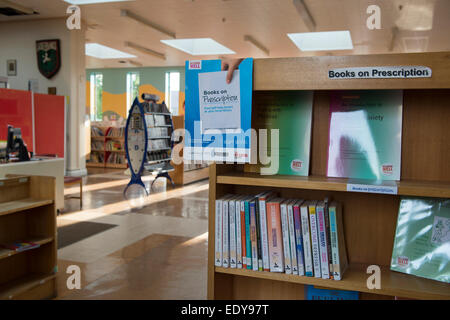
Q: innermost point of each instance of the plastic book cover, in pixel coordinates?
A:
(422, 239)
(275, 236)
(365, 134)
(258, 235)
(243, 235)
(314, 239)
(306, 235)
(263, 225)
(248, 240)
(299, 238)
(218, 113)
(292, 240)
(253, 235)
(291, 113)
(324, 264)
(313, 293)
(338, 248)
(238, 233)
(232, 222)
(285, 232)
(225, 234)
(218, 238)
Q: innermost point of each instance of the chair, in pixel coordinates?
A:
(70, 181)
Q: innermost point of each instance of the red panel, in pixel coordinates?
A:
(49, 124)
(15, 109)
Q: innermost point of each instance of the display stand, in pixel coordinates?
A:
(28, 214)
(160, 144)
(369, 219)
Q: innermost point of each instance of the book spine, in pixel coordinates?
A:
(248, 241)
(285, 233)
(299, 240)
(327, 231)
(275, 238)
(334, 244)
(243, 236)
(232, 219)
(253, 236)
(323, 243)
(226, 234)
(315, 241)
(218, 237)
(306, 241)
(293, 246)
(238, 235)
(258, 236)
(263, 225)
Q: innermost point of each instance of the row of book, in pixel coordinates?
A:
(158, 132)
(97, 145)
(116, 158)
(96, 132)
(116, 132)
(266, 233)
(113, 145)
(155, 120)
(158, 144)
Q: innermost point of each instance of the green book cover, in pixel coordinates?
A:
(422, 239)
(291, 113)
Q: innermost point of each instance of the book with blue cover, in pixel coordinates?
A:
(218, 114)
(313, 293)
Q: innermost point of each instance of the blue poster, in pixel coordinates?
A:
(218, 114)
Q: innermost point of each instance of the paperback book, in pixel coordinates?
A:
(290, 112)
(422, 239)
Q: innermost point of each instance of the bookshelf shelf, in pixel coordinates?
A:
(14, 289)
(405, 188)
(11, 207)
(5, 253)
(355, 279)
(369, 219)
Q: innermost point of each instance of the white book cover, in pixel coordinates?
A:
(314, 239)
(214, 112)
(339, 258)
(300, 253)
(285, 234)
(226, 234)
(304, 215)
(292, 242)
(232, 220)
(238, 233)
(263, 225)
(218, 235)
(322, 240)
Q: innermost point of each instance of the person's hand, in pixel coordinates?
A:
(230, 65)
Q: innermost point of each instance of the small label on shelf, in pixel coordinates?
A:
(384, 72)
(372, 188)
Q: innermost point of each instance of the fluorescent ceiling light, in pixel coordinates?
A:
(97, 50)
(81, 2)
(318, 41)
(198, 47)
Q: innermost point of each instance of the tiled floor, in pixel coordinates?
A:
(155, 249)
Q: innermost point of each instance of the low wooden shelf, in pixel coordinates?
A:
(28, 213)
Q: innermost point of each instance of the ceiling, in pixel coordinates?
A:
(267, 21)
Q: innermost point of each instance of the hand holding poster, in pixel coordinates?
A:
(218, 114)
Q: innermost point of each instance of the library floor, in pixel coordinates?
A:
(155, 250)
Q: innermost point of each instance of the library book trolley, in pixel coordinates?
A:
(369, 219)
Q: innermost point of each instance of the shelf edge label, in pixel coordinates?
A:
(372, 188)
(385, 72)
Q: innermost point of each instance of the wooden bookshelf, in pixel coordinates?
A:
(369, 219)
(106, 139)
(28, 213)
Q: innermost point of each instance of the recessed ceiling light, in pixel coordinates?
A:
(318, 41)
(81, 2)
(198, 47)
(97, 50)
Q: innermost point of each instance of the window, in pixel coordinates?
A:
(173, 91)
(96, 96)
(133, 83)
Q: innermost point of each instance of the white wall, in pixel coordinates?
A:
(18, 41)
